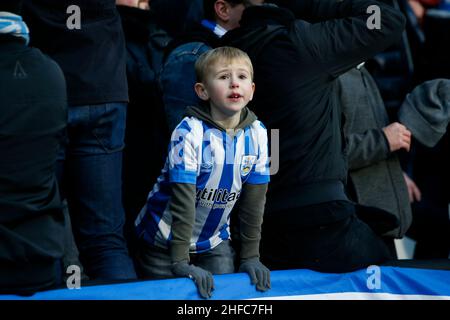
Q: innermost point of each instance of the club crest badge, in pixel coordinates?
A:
(246, 164)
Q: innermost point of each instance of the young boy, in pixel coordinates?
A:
(218, 154)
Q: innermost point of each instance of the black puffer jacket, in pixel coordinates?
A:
(296, 64)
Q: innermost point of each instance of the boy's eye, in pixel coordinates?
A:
(243, 76)
(223, 77)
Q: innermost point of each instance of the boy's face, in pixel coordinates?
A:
(228, 86)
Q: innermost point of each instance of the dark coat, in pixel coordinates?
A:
(33, 116)
(295, 88)
(92, 57)
(376, 176)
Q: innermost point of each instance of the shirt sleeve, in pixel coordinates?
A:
(366, 149)
(260, 173)
(345, 40)
(251, 211)
(184, 153)
(182, 207)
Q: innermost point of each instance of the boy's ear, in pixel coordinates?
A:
(201, 92)
(253, 91)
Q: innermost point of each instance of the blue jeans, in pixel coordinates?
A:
(90, 168)
(155, 263)
(177, 80)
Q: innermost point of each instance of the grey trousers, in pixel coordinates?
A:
(155, 263)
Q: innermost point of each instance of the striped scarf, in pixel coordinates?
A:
(13, 24)
(214, 27)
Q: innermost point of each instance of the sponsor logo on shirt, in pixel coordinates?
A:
(216, 198)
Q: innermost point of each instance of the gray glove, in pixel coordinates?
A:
(202, 278)
(259, 274)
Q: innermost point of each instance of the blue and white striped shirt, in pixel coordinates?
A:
(218, 165)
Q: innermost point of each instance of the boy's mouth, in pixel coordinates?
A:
(234, 96)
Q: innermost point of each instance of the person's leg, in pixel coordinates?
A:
(390, 244)
(431, 230)
(340, 246)
(71, 253)
(354, 246)
(153, 262)
(93, 175)
(274, 244)
(346, 245)
(219, 260)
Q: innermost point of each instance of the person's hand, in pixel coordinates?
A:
(259, 274)
(144, 4)
(202, 278)
(141, 4)
(418, 9)
(398, 136)
(128, 3)
(413, 190)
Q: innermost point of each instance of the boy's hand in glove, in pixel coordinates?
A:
(259, 273)
(202, 278)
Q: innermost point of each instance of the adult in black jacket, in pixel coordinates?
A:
(309, 221)
(33, 115)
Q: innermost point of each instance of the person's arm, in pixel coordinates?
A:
(309, 10)
(367, 148)
(183, 162)
(316, 10)
(251, 211)
(344, 39)
(301, 9)
(182, 208)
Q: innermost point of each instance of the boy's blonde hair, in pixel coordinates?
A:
(227, 54)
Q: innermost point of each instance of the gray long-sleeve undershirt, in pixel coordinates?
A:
(182, 208)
